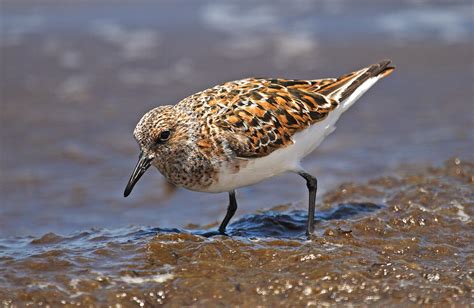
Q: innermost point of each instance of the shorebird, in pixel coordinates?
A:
(245, 131)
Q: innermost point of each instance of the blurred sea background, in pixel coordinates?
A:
(76, 76)
(395, 200)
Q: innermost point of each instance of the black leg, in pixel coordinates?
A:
(312, 184)
(230, 212)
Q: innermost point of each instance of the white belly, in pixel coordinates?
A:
(288, 158)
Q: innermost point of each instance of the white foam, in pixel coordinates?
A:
(71, 59)
(298, 47)
(181, 71)
(160, 278)
(20, 26)
(253, 30)
(461, 214)
(134, 43)
(74, 88)
(233, 19)
(451, 24)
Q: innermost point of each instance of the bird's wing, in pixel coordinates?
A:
(257, 116)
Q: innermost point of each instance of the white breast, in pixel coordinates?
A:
(286, 159)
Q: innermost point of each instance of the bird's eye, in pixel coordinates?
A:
(164, 135)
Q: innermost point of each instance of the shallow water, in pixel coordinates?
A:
(409, 242)
(76, 77)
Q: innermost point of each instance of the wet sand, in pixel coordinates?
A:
(408, 242)
(76, 77)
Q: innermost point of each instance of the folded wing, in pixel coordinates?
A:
(256, 116)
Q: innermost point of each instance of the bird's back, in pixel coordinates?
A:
(264, 126)
(260, 115)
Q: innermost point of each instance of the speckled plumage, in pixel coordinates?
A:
(226, 125)
(244, 131)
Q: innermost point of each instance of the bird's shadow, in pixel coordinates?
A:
(277, 224)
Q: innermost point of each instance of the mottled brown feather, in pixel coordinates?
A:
(256, 116)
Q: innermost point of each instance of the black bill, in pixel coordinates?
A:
(143, 164)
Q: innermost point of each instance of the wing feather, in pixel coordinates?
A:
(258, 115)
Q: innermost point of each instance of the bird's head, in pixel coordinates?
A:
(154, 133)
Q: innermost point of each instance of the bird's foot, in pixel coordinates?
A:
(310, 236)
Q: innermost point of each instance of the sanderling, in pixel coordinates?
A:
(242, 132)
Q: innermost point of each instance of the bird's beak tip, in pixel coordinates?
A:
(142, 165)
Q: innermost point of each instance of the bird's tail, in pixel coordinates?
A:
(348, 88)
